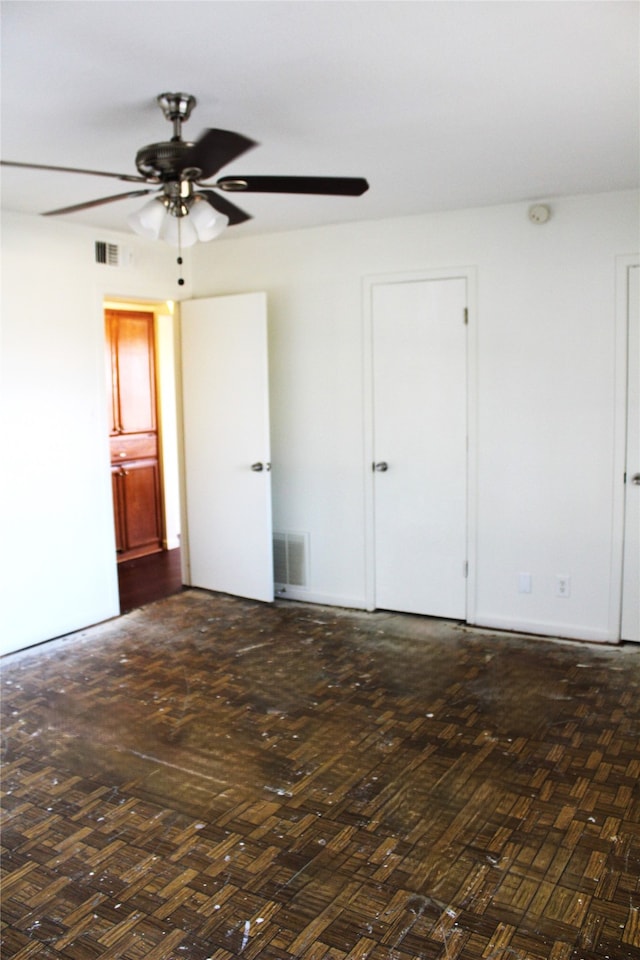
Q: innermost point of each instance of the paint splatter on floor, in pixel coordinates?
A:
(215, 778)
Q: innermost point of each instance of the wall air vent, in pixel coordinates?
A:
(290, 558)
(108, 253)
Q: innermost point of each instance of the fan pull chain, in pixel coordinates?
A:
(180, 261)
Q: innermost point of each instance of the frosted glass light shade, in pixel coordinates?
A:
(147, 221)
(178, 231)
(208, 222)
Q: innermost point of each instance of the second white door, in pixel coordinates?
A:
(420, 442)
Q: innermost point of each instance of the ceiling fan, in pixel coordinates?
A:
(185, 208)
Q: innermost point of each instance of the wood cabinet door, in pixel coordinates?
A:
(137, 508)
(132, 370)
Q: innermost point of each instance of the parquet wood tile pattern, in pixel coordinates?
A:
(209, 777)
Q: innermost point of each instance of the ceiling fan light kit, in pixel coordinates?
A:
(186, 209)
(179, 225)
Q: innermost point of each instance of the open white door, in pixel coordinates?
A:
(630, 626)
(227, 452)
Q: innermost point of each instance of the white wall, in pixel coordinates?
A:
(58, 571)
(544, 411)
(544, 417)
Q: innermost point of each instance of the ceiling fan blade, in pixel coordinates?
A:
(214, 150)
(96, 203)
(95, 173)
(328, 186)
(222, 205)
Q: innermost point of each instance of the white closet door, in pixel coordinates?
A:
(420, 430)
(227, 452)
(631, 576)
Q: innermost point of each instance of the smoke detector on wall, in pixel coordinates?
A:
(539, 213)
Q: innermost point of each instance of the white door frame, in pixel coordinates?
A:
(444, 273)
(623, 264)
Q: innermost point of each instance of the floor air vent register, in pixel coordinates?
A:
(290, 559)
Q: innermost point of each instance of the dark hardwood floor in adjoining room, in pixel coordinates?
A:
(149, 578)
(209, 777)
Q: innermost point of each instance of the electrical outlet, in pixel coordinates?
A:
(563, 586)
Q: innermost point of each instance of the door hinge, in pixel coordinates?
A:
(465, 569)
(466, 315)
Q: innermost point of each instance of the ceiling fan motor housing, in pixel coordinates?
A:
(164, 160)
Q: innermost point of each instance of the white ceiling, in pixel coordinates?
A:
(440, 105)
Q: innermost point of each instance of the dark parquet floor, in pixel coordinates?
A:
(209, 777)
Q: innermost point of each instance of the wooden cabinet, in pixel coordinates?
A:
(136, 499)
(135, 468)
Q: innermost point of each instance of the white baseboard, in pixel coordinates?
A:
(287, 592)
(543, 628)
(485, 621)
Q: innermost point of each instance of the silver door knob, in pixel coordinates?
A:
(635, 479)
(381, 466)
(257, 467)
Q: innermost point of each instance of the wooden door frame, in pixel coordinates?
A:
(469, 274)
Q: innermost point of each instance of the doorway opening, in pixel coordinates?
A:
(140, 352)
